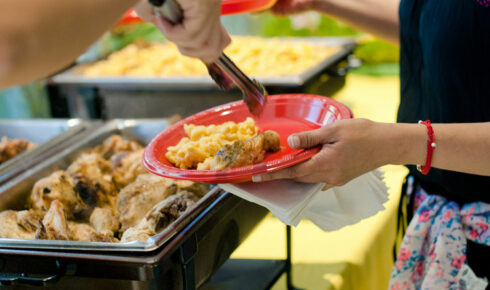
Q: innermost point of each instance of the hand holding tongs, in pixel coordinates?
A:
(224, 72)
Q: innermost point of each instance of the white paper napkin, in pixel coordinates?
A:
(330, 210)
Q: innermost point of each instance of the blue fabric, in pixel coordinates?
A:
(445, 77)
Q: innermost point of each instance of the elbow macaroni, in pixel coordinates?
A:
(255, 56)
(203, 142)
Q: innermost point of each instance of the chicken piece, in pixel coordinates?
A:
(247, 152)
(104, 220)
(92, 180)
(136, 199)
(199, 189)
(13, 147)
(86, 233)
(115, 144)
(126, 166)
(103, 237)
(57, 186)
(160, 216)
(168, 210)
(80, 231)
(10, 229)
(141, 232)
(54, 225)
(29, 219)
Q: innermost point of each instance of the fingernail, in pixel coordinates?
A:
(293, 141)
(257, 178)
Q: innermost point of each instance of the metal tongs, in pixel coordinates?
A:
(224, 72)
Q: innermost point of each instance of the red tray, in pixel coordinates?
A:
(285, 114)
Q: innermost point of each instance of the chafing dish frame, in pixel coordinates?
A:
(190, 257)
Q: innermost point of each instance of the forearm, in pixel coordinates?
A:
(38, 38)
(379, 17)
(459, 147)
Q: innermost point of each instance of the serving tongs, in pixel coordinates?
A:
(223, 71)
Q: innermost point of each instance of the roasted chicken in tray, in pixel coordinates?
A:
(116, 144)
(92, 178)
(126, 166)
(103, 194)
(29, 219)
(54, 225)
(10, 226)
(136, 199)
(57, 186)
(9, 148)
(160, 216)
(105, 220)
(139, 197)
(81, 231)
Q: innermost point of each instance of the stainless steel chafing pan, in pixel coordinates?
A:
(48, 135)
(14, 193)
(184, 262)
(345, 47)
(162, 96)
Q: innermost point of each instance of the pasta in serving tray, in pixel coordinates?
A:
(255, 56)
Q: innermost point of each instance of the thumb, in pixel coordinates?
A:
(309, 139)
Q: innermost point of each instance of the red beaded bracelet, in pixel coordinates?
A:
(431, 145)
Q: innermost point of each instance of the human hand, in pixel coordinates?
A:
(350, 148)
(286, 7)
(200, 35)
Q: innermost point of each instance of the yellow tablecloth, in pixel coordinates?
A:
(357, 256)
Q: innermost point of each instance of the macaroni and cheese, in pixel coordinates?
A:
(203, 142)
(255, 56)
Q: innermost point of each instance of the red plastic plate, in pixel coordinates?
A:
(285, 114)
(129, 17)
(229, 7)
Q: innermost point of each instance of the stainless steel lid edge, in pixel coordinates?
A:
(13, 167)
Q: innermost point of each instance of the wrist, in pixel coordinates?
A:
(329, 7)
(403, 144)
(305, 5)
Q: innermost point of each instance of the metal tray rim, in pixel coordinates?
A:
(22, 161)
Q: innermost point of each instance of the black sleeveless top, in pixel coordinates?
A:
(445, 78)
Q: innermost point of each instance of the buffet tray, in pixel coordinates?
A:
(345, 47)
(15, 192)
(48, 135)
(185, 262)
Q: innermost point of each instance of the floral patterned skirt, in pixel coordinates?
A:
(433, 251)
